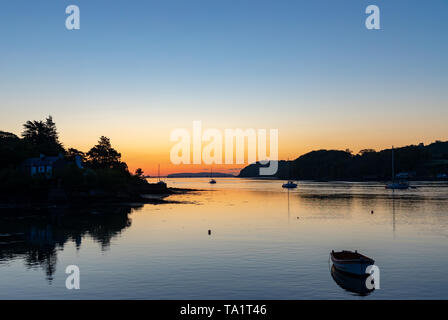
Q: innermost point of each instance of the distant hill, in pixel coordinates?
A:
(420, 161)
(200, 175)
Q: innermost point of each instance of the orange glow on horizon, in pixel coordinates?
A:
(146, 146)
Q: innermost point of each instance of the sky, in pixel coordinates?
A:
(136, 70)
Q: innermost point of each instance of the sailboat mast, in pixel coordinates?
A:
(393, 164)
(289, 170)
(158, 173)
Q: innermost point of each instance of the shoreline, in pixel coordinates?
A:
(74, 200)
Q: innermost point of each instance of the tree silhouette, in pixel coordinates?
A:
(13, 150)
(8, 135)
(139, 173)
(104, 156)
(43, 136)
(366, 151)
(72, 153)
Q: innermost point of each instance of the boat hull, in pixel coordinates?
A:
(397, 186)
(289, 185)
(353, 268)
(357, 266)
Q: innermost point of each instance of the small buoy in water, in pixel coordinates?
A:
(209, 232)
(371, 212)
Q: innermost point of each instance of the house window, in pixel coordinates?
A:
(41, 169)
(33, 171)
(49, 169)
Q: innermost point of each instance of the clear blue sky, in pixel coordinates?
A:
(248, 63)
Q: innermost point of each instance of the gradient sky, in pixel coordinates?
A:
(139, 69)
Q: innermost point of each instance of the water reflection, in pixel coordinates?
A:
(351, 283)
(258, 248)
(393, 217)
(37, 236)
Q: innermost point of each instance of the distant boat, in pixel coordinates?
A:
(400, 185)
(212, 181)
(290, 184)
(351, 262)
(442, 176)
(160, 182)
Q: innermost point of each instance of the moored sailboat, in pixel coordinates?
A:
(290, 184)
(160, 182)
(400, 185)
(212, 181)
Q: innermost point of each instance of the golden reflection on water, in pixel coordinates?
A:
(265, 242)
(246, 207)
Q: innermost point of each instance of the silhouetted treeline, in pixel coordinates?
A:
(42, 138)
(98, 171)
(419, 161)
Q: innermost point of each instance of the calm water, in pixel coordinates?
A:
(265, 243)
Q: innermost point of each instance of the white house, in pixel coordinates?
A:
(46, 165)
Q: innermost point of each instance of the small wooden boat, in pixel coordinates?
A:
(212, 181)
(351, 262)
